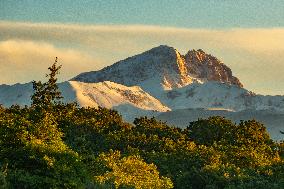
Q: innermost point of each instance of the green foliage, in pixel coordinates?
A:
(3, 175)
(36, 155)
(67, 147)
(214, 129)
(251, 133)
(131, 172)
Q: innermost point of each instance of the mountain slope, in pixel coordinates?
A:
(215, 95)
(109, 94)
(105, 94)
(16, 94)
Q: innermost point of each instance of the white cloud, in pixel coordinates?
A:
(255, 55)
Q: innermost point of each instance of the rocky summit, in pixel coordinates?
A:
(206, 66)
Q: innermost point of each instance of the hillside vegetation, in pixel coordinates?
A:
(55, 145)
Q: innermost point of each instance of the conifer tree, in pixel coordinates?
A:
(46, 94)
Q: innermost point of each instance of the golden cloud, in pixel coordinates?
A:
(23, 61)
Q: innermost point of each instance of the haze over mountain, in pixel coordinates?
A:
(158, 80)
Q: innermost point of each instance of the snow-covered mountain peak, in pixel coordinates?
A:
(162, 50)
(163, 68)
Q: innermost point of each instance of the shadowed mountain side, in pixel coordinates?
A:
(273, 121)
(20, 94)
(16, 94)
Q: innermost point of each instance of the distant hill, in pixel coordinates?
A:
(273, 120)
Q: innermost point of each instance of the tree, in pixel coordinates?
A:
(130, 172)
(46, 94)
(251, 133)
(32, 145)
(210, 130)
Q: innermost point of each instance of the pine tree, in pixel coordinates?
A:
(46, 94)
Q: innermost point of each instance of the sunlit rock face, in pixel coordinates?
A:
(206, 66)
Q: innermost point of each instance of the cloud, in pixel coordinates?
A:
(106, 36)
(23, 61)
(255, 55)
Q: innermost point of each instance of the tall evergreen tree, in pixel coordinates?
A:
(46, 94)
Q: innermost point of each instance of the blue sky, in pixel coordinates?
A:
(177, 13)
(247, 35)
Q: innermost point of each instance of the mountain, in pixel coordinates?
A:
(193, 80)
(163, 68)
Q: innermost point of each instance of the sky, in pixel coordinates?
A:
(247, 35)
